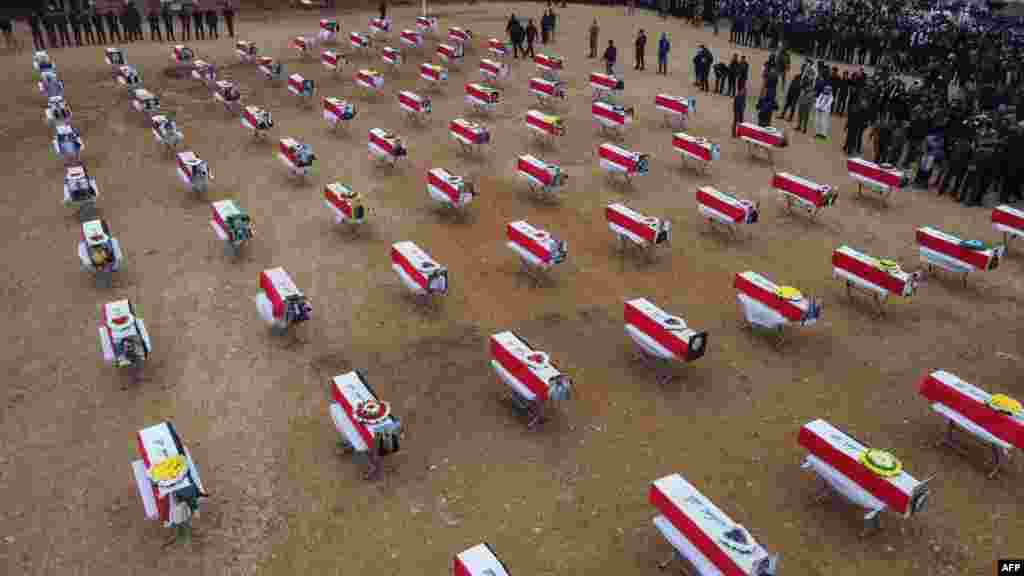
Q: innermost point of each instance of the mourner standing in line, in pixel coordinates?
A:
(734, 74)
(133, 22)
(804, 104)
(842, 93)
(51, 30)
(855, 123)
(640, 45)
(663, 49)
(741, 78)
(595, 30)
(185, 17)
(75, 19)
(229, 16)
(85, 21)
(782, 65)
(515, 33)
(766, 107)
(35, 23)
(197, 22)
(63, 26)
(112, 25)
(383, 9)
(211, 23)
(153, 16)
(610, 54)
(168, 18)
(545, 28)
(531, 36)
(792, 97)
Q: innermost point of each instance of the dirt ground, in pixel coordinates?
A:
(569, 498)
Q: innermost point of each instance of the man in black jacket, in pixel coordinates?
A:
(154, 26)
(515, 35)
(35, 22)
(229, 17)
(197, 21)
(185, 17)
(792, 96)
(101, 33)
(211, 24)
(61, 22)
(641, 46)
(734, 74)
(168, 18)
(85, 20)
(531, 35)
(112, 26)
(75, 19)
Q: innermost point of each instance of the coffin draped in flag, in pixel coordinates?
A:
(360, 416)
(297, 156)
(166, 476)
(695, 147)
(193, 171)
(369, 79)
(165, 130)
(433, 72)
(994, 419)
(493, 70)
(482, 96)
(540, 174)
(605, 82)
(329, 29)
(417, 270)
(337, 111)
(98, 250)
(380, 25)
(883, 178)
(535, 246)
(611, 115)
(449, 189)
(392, 55)
(256, 119)
(114, 57)
(662, 335)
(300, 86)
(411, 38)
(246, 51)
(460, 35)
(545, 124)
(547, 89)
(358, 41)
(871, 479)
(761, 135)
(303, 44)
(675, 106)
(129, 77)
(769, 305)
(529, 372)
(270, 69)
(426, 23)
(882, 277)
(724, 208)
(145, 101)
(413, 104)
(479, 560)
(231, 224)
(954, 254)
(183, 54)
(79, 187)
(203, 71)
(57, 110)
(699, 531)
(67, 142)
(345, 203)
(616, 159)
(807, 194)
(638, 228)
(469, 133)
(41, 61)
(50, 85)
(227, 93)
(450, 53)
(123, 336)
(384, 144)
(1009, 221)
(280, 302)
(549, 63)
(331, 60)
(498, 47)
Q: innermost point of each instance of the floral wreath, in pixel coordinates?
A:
(372, 411)
(881, 462)
(168, 472)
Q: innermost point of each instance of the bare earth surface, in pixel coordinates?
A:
(569, 498)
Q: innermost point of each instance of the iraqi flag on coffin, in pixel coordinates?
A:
(600, 82)
(426, 23)
(529, 372)
(679, 106)
(280, 300)
(611, 115)
(617, 159)
(145, 101)
(808, 194)
(411, 38)
(871, 479)
(877, 177)
(380, 26)
(540, 173)
(300, 86)
(392, 56)
(369, 79)
(417, 270)
(479, 560)
(954, 254)
(499, 48)
(346, 203)
(882, 277)
(769, 305)
(762, 135)
(492, 70)
(695, 147)
(450, 52)
(412, 103)
(638, 228)
(662, 335)
(79, 187)
(190, 166)
(994, 419)
(121, 324)
(255, 118)
(449, 189)
(295, 154)
(331, 60)
(433, 72)
(537, 247)
(699, 531)
(358, 41)
(468, 132)
(482, 96)
(97, 248)
(182, 54)
(165, 487)
(549, 62)
(724, 208)
(337, 110)
(330, 25)
(384, 144)
(460, 35)
(547, 124)
(547, 89)
(230, 222)
(1008, 220)
(360, 416)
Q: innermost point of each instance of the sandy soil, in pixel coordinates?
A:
(567, 499)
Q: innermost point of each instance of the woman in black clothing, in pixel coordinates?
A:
(97, 22)
(229, 18)
(115, 32)
(36, 24)
(186, 24)
(197, 21)
(85, 19)
(168, 18)
(211, 23)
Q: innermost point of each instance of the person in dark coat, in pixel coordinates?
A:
(842, 90)
(739, 106)
(663, 49)
(51, 30)
(721, 72)
(35, 23)
(197, 22)
(766, 107)
(211, 24)
(229, 16)
(515, 35)
(112, 25)
(185, 17)
(75, 20)
(792, 97)
(132, 22)
(641, 46)
(734, 74)
(545, 27)
(61, 22)
(610, 55)
(101, 33)
(531, 36)
(744, 73)
(168, 18)
(154, 26)
(85, 21)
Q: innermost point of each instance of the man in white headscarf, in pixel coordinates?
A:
(822, 113)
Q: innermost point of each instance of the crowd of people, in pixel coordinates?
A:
(76, 23)
(523, 37)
